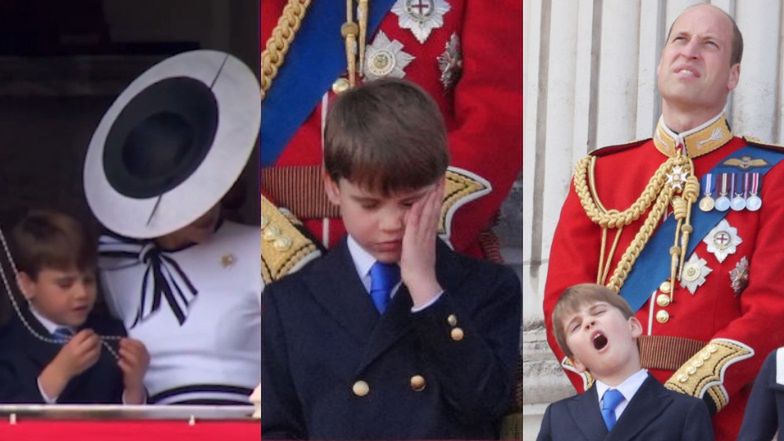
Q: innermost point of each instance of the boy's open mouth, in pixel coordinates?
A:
(599, 341)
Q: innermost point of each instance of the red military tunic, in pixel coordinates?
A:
(737, 322)
(482, 108)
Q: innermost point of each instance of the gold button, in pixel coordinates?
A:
(452, 320)
(270, 233)
(662, 316)
(663, 300)
(360, 388)
(456, 334)
(418, 383)
(282, 243)
(340, 85)
(665, 287)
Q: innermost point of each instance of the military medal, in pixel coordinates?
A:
(723, 202)
(677, 177)
(707, 202)
(694, 272)
(753, 202)
(722, 240)
(738, 202)
(450, 62)
(739, 276)
(385, 58)
(421, 16)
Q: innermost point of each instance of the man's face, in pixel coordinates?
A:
(601, 339)
(694, 73)
(64, 297)
(375, 221)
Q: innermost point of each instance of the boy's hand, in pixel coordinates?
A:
(134, 360)
(80, 353)
(76, 356)
(418, 256)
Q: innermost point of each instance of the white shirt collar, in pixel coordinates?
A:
(362, 263)
(46, 323)
(628, 388)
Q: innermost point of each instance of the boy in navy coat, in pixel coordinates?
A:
(597, 330)
(53, 352)
(391, 335)
(764, 413)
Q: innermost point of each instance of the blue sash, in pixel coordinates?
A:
(316, 58)
(653, 265)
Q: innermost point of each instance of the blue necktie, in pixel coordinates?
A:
(383, 277)
(62, 335)
(611, 399)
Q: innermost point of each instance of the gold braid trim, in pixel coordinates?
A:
(703, 373)
(656, 196)
(278, 44)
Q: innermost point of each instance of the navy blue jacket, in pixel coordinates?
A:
(653, 414)
(23, 357)
(764, 413)
(321, 336)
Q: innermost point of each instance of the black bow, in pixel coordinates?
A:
(165, 273)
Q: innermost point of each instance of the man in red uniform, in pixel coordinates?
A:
(686, 226)
(466, 54)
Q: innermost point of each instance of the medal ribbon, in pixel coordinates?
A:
(707, 184)
(651, 269)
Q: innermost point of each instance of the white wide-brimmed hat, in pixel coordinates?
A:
(172, 144)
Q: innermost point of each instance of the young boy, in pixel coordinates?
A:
(597, 330)
(343, 360)
(764, 413)
(65, 362)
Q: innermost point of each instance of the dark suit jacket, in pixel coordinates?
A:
(23, 358)
(654, 413)
(321, 334)
(765, 408)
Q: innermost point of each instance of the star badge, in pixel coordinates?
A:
(722, 240)
(421, 16)
(739, 276)
(450, 62)
(695, 270)
(385, 58)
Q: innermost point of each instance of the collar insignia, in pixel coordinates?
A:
(697, 141)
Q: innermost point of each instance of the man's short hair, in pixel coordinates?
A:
(737, 37)
(49, 239)
(386, 135)
(577, 296)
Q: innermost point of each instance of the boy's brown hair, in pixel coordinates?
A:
(577, 296)
(387, 136)
(50, 239)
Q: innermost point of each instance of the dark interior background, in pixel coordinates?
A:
(62, 64)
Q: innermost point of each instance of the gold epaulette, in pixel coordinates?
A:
(702, 376)
(284, 249)
(462, 186)
(586, 376)
(758, 142)
(602, 151)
